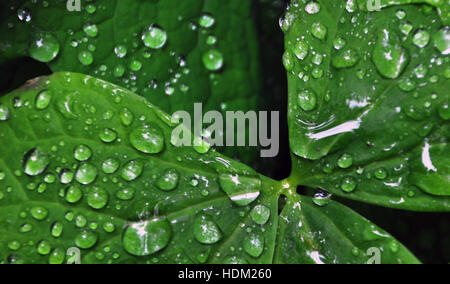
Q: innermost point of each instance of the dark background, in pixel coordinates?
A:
(427, 235)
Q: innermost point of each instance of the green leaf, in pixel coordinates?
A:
(333, 234)
(367, 99)
(113, 43)
(121, 195)
(89, 167)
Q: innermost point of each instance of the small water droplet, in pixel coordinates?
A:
(43, 99)
(389, 56)
(348, 184)
(381, 174)
(82, 153)
(321, 198)
(86, 173)
(39, 213)
(421, 38)
(206, 21)
(86, 58)
(154, 37)
(57, 229)
(147, 237)
(35, 162)
(312, 8)
(260, 214)
(57, 256)
(73, 194)
(206, 230)
(168, 181)
(97, 198)
(147, 139)
(242, 190)
(254, 244)
(132, 170)
(86, 239)
(345, 161)
(91, 30)
(125, 194)
(441, 40)
(307, 100)
(319, 30)
(345, 58)
(24, 15)
(120, 51)
(66, 176)
(44, 247)
(110, 166)
(4, 112)
(301, 49)
(108, 135)
(213, 60)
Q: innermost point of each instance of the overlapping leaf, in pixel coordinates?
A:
(105, 40)
(368, 101)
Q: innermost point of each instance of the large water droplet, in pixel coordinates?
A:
(389, 56)
(147, 139)
(154, 37)
(242, 190)
(147, 237)
(44, 47)
(35, 162)
(206, 230)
